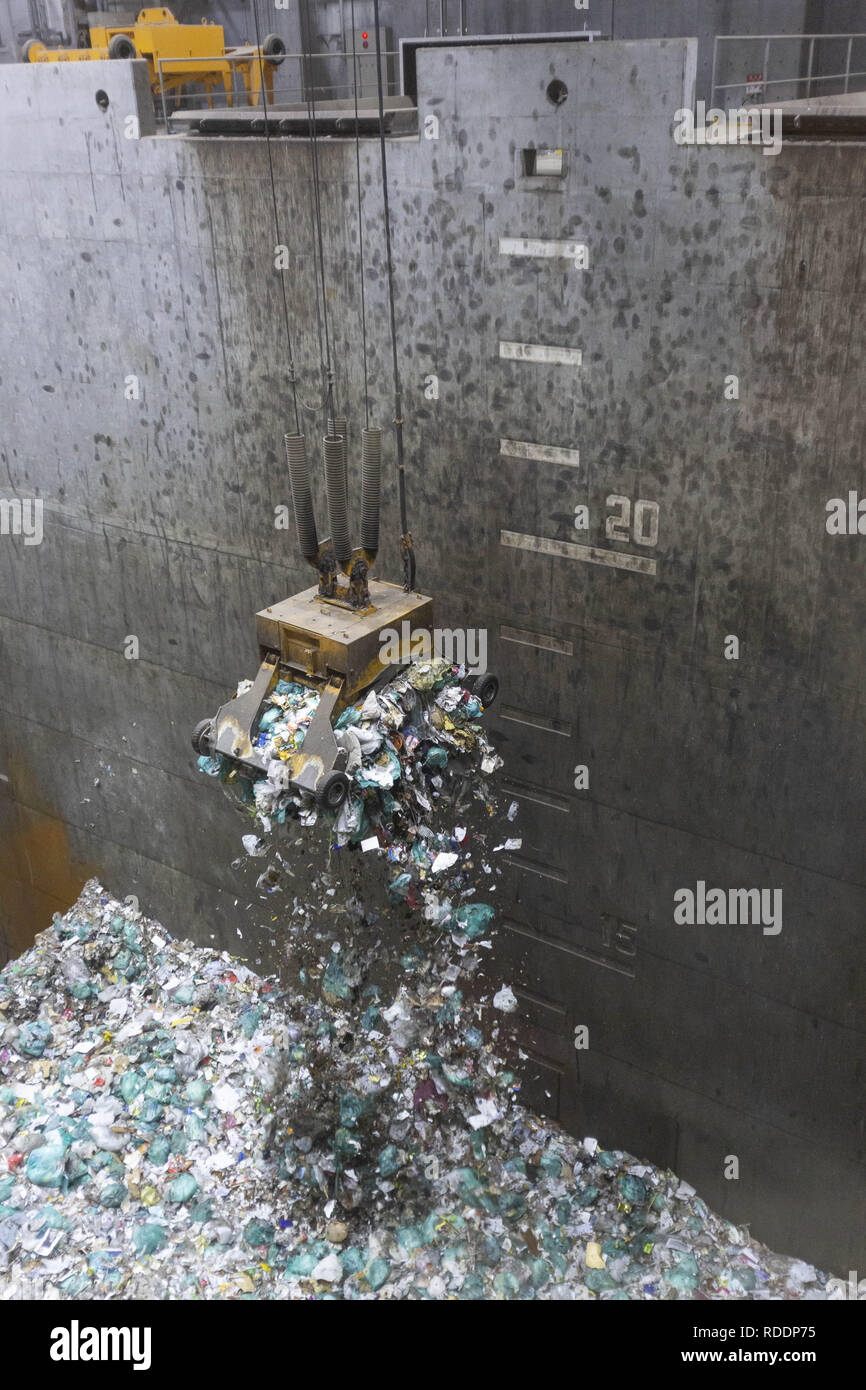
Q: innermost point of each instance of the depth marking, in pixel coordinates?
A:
(535, 721)
(576, 251)
(545, 453)
(523, 993)
(543, 871)
(549, 799)
(594, 957)
(535, 639)
(541, 352)
(588, 554)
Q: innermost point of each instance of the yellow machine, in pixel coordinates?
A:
(177, 55)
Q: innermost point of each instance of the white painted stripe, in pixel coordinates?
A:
(535, 639)
(594, 957)
(575, 251)
(532, 998)
(545, 453)
(537, 720)
(514, 718)
(589, 554)
(543, 871)
(540, 352)
(538, 800)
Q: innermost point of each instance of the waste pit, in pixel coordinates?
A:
(174, 1125)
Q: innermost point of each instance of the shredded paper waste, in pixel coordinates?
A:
(175, 1125)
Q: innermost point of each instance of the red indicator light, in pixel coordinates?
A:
(363, 36)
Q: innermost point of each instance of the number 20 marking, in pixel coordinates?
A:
(644, 530)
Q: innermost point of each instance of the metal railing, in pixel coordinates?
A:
(446, 15)
(757, 84)
(290, 84)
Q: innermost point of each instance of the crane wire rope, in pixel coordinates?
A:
(327, 363)
(360, 221)
(279, 241)
(406, 546)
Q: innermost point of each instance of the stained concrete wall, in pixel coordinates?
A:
(154, 258)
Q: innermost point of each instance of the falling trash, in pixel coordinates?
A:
(505, 1000)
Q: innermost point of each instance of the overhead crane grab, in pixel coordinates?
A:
(330, 637)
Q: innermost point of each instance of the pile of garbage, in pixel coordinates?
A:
(174, 1125)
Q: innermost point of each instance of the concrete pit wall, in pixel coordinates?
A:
(153, 258)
